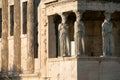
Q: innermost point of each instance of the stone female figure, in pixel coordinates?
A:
(108, 40)
(64, 37)
(79, 35)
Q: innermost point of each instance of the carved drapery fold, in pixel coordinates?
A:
(107, 35)
(79, 33)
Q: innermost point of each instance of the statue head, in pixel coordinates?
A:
(79, 15)
(64, 17)
(107, 16)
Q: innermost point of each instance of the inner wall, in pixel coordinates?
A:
(93, 38)
(93, 32)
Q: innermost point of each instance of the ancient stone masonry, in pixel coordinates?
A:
(0, 23)
(17, 39)
(4, 47)
(30, 35)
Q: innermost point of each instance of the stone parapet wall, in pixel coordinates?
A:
(84, 68)
(99, 68)
(62, 69)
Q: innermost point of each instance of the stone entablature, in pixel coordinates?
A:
(84, 1)
(49, 1)
(54, 8)
(62, 7)
(99, 6)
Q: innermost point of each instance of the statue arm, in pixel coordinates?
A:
(76, 26)
(60, 30)
(74, 29)
(103, 30)
(59, 27)
(83, 28)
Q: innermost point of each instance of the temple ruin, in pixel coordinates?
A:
(59, 40)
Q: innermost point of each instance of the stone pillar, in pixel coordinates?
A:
(107, 35)
(30, 36)
(17, 39)
(4, 48)
(79, 33)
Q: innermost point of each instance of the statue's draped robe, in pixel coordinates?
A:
(108, 40)
(79, 38)
(64, 39)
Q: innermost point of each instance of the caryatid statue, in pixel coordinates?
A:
(63, 29)
(107, 35)
(79, 33)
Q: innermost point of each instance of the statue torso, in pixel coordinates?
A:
(107, 27)
(79, 26)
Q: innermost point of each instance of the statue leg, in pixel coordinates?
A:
(77, 45)
(82, 49)
(80, 46)
(62, 46)
(105, 45)
(67, 46)
(61, 50)
(111, 45)
(83, 46)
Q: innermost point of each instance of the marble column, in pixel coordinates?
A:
(4, 48)
(79, 33)
(17, 39)
(30, 36)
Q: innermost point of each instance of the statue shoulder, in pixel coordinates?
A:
(59, 26)
(76, 23)
(104, 24)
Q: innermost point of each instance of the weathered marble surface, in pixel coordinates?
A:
(57, 69)
(63, 29)
(108, 36)
(30, 36)
(4, 48)
(83, 68)
(79, 33)
(17, 34)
